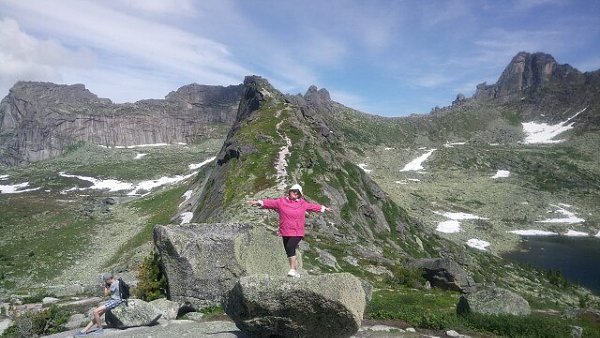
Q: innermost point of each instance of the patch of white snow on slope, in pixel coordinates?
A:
(539, 133)
(416, 164)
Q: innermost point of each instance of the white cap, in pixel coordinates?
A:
(296, 187)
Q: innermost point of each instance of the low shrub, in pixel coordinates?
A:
(32, 324)
(212, 311)
(517, 326)
(436, 310)
(152, 283)
(405, 276)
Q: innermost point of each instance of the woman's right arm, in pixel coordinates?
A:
(265, 204)
(255, 203)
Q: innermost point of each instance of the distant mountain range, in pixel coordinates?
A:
(41, 120)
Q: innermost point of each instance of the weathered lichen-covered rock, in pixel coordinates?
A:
(203, 261)
(134, 312)
(446, 274)
(330, 305)
(166, 307)
(493, 301)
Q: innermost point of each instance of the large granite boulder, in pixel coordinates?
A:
(330, 305)
(444, 273)
(493, 301)
(204, 261)
(134, 312)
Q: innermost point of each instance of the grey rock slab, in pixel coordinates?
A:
(329, 305)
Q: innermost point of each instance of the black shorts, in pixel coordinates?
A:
(290, 243)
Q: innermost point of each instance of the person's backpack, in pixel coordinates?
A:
(124, 289)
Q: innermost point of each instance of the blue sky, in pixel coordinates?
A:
(383, 57)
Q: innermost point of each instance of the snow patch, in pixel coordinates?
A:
(478, 244)
(200, 165)
(405, 181)
(186, 217)
(451, 145)
(416, 164)
(501, 174)
(448, 227)
(145, 145)
(459, 215)
(140, 155)
(533, 233)
(570, 216)
(281, 164)
(598, 234)
(186, 196)
(15, 188)
(453, 225)
(116, 185)
(573, 233)
(97, 184)
(539, 133)
(364, 166)
(3, 177)
(147, 186)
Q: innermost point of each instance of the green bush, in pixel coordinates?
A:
(405, 276)
(46, 322)
(517, 326)
(556, 278)
(152, 283)
(436, 310)
(212, 311)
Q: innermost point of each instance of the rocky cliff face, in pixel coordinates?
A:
(527, 73)
(41, 120)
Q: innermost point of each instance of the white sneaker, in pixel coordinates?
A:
(293, 273)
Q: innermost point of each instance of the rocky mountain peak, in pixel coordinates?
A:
(314, 94)
(204, 95)
(526, 74)
(45, 92)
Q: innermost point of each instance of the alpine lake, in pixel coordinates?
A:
(576, 258)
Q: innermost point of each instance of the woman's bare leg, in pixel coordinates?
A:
(293, 262)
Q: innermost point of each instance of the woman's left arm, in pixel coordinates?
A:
(313, 207)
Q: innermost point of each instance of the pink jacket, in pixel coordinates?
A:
(292, 214)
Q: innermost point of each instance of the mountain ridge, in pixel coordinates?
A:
(39, 121)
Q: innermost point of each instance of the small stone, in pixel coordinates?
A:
(49, 300)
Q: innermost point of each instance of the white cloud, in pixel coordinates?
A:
(161, 7)
(401, 57)
(124, 43)
(432, 80)
(24, 57)
(497, 45)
